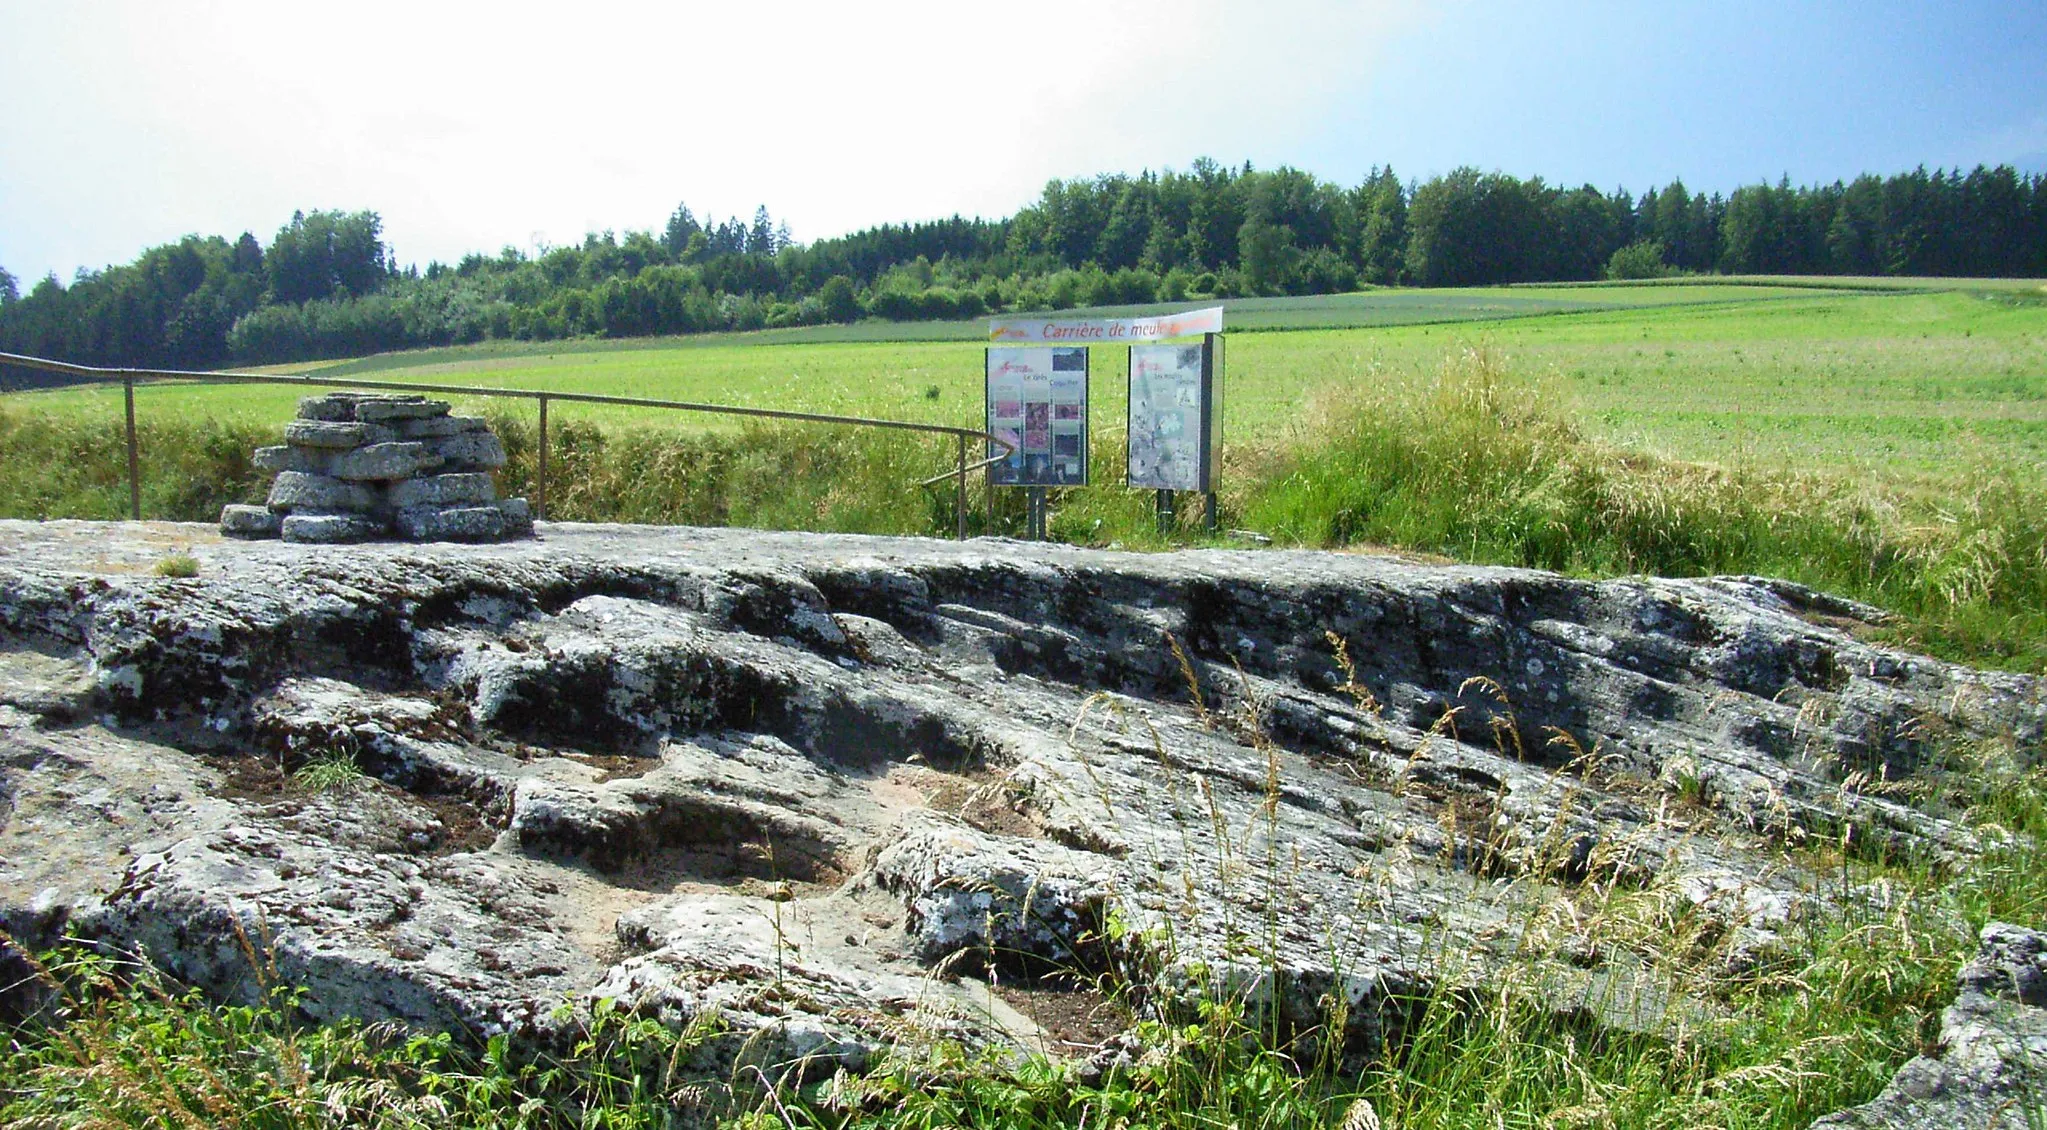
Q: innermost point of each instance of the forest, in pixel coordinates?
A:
(328, 285)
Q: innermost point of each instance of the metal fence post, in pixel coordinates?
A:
(128, 377)
(134, 457)
(540, 481)
(960, 501)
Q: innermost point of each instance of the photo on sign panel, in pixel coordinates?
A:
(1037, 426)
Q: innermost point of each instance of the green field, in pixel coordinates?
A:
(1907, 384)
(1883, 441)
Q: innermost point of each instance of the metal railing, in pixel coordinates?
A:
(128, 377)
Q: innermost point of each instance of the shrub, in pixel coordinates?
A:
(840, 303)
(1639, 260)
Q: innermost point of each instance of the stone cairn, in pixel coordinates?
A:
(356, 466)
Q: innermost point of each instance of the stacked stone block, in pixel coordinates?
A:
(355, 466)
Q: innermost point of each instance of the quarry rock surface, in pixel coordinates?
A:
(842, 791)
(1990, 1070)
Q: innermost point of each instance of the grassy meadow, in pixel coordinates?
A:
(1872, 381)
(1885, 441)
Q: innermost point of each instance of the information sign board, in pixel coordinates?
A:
(1175, 414)
(1037, 400)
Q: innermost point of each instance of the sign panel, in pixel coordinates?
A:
(1102, 331)
(1175, 415)
(1037, 400)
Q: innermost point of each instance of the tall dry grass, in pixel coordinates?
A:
(1486, 466)
(1483, 465)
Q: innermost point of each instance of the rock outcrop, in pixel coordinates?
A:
(356, 466)
(841, 790)
(1990, 1072)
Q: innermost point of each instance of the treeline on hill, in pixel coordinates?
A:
(327, 286)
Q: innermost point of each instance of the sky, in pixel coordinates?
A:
(472, 127)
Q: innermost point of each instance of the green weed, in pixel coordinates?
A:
(334, 771)
(117, 1044)
(180, 566)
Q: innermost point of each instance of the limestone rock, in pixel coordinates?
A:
(441, 490)
(297, 490)
(284, 457)
(452, 523)
(823, 785)
(250, 521)
(346, 471)
(382, 462)
(335, 436)
(467, 451)
(1991, 1071)
(518, 516)
(438, 426)
(385, 409)
(315, 528)
(333, 407)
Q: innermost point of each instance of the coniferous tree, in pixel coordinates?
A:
(682, 227)
(1382, 227)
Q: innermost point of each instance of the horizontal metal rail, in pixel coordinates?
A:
(128, 377)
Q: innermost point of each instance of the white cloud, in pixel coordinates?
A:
(470, 128)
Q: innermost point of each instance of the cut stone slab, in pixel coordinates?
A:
(298, 490)
(470, 451)
(238, 520)
(438, 426)
(382, 409)
(334, 407)
(336, 436)
(457, 523)
(518, 516)
(462, 489)
(329, 529)
(382, 462)
(284, 457)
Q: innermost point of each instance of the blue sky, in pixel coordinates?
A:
(124, 125)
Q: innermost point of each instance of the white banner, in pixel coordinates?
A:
(1102, 331)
